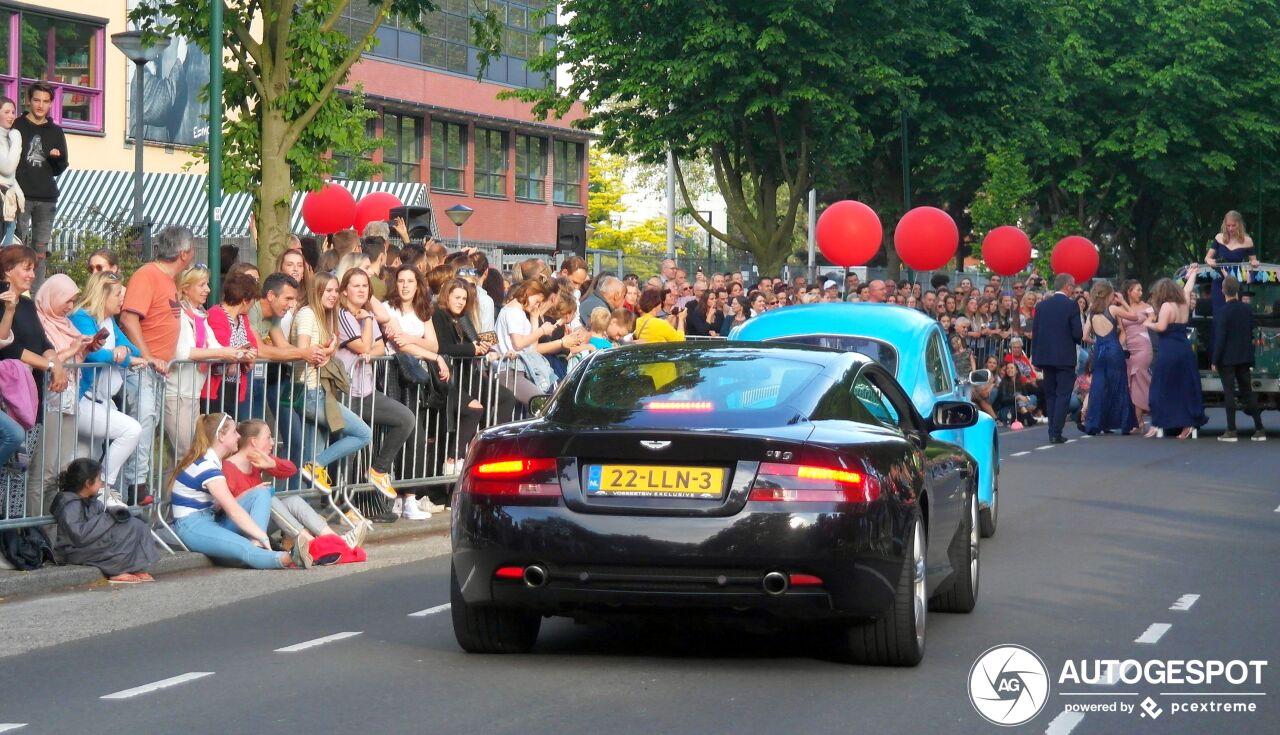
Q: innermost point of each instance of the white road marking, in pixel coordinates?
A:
(1070, 441)
(430, 611)
(1047, 446)
(1019, 454)
(158, 685)
(1154, 633)
(7, 726)
(1064, 723)
(1277, 509)
(1185, 602)
(317, 642)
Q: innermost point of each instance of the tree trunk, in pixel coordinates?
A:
(275, 194)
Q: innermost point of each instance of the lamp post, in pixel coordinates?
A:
(140, 51)
(459, 214)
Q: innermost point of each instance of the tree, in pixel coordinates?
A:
(606, 189)
(284, 87)
(760, 90)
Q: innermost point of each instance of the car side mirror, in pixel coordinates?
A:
(980, 377)
(538, 404)
(953, 415)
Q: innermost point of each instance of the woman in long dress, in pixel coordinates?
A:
(1109, 406)
(1138, 343)
(1176, 401)
(1230, 246)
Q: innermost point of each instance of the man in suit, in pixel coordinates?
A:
(1233, 359)
(1057, 330)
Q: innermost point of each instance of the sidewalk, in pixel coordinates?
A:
(51, 578)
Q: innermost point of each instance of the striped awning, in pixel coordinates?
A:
(91, 200)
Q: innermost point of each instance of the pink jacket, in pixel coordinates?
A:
(18, 392)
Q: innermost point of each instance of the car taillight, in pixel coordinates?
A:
(777, 482)
(517, 477)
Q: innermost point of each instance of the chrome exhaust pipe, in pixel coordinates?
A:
(535, 575)
(775, 583)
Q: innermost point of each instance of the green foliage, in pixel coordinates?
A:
(117, 236)
(1004, 198)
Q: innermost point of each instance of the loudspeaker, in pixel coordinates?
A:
(416, 219)
(571, 234)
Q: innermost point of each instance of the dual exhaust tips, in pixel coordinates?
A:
(773, 583)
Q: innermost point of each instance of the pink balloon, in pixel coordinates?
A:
(849, 233)
(1006, 250)
(330, 210)
(375, 207)
(926, 238)
(1075, 255)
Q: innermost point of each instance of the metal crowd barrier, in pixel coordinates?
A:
(158, 413)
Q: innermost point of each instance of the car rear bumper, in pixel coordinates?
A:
(618, 564)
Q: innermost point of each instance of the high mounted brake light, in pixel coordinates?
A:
(681, 406)
(777, 482)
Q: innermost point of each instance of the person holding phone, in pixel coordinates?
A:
(99, 421)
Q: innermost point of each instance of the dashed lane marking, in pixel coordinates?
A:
(156, 686)
(317, 642)
(1184, 603)
(1064, 723)
(1070, 441)
(1277, 509)
(1047, 446)
(430, 611)
(1154, 633)
(7, 726)
(1019, 454)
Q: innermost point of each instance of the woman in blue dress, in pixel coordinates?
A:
(1232, 245)
(1176, 402)
(1109, 406)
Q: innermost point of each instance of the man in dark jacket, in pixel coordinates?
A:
(1233, 359)
(1056, 331)
(44, 157)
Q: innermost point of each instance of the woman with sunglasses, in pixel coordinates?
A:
(187, 385)
(99, 421)
(104, 261)
(208, 519)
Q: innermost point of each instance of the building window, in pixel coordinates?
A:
(568, 173)
(448, 156)
(491, 162)
(63, 51)
(349, 167)
(402, 149)
(531, 168)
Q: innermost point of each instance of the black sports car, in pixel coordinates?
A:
(777, 482)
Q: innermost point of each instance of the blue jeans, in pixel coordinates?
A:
(220, 538)
(9, 229)
(11, 437)
(355, 434)
(288, 432)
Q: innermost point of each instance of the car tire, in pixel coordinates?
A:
(988, 515)
(490, 629)
(896, 638)
(961, 595)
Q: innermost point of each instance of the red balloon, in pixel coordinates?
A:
(375, 207)
(329, 210)
(1006, 250)
(849, 233)
(926, 238)
(1075, 255)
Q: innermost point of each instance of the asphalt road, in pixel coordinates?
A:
(1098, 539)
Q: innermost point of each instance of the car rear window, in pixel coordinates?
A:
(881, 352)
(714, 388)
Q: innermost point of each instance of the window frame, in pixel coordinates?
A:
(440, 143)
(561, 184)
(524, 179)
(13, 84)
(486, 155)
(392, 167)
(944, 359)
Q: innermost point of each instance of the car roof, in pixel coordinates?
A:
(890, 323)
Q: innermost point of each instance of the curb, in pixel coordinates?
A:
(61, 578)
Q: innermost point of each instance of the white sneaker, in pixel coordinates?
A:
(113, 500)
(450, 467)
(1258, 436)
(355, 538)
(398, 506)
(425, 503)
(412, 512)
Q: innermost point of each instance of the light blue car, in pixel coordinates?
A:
(912, 347)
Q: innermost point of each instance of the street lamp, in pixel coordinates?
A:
(140, 51)
(459, 214)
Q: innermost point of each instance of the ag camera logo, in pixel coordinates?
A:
(1008, 685)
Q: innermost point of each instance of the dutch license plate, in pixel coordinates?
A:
(655, 481)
